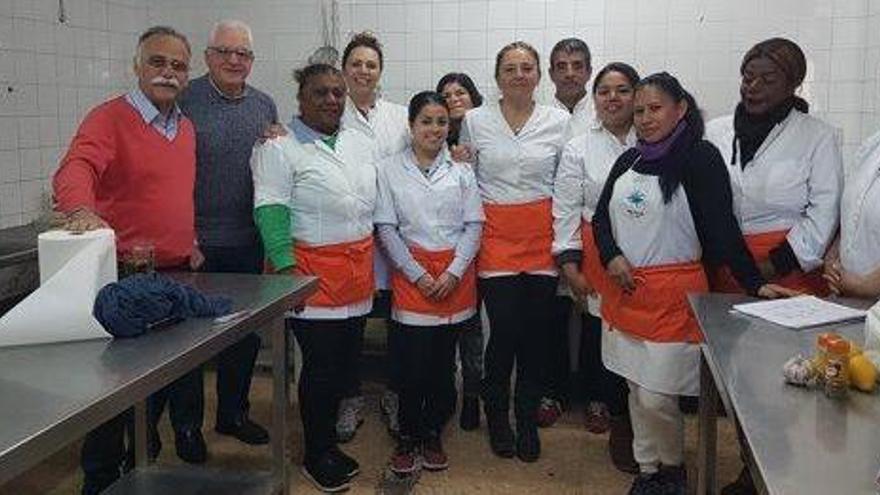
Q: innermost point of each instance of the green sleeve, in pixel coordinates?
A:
(273, 222)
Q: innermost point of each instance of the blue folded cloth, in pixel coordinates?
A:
(135, 304)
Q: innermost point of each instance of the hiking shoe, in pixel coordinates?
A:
(598, 420)
(548, 412)
(349, 418)
(406, 457)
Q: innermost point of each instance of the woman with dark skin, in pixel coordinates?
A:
(785, 170)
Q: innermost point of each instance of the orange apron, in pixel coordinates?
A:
(591, 263)
(658, 309)
(407, 297)
(345, 271)
(517, 238)
(760, 246)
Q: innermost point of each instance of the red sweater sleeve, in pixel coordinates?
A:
(92, 150)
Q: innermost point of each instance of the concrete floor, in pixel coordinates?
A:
(572, 462)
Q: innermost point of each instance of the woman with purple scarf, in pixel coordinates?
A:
(665, 210)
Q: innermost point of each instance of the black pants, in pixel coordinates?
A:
(235, 365)
(326, 351)
(600, 385)
(556, 367)
(105, 454)
(470, 353)
(427, 383)
(519, 310)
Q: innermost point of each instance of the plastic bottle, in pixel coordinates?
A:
(837, 369)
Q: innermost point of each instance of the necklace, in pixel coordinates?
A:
(517, 122)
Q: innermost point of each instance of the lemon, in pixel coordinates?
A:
(862, 373)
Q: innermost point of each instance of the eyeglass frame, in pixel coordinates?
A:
(226, 52)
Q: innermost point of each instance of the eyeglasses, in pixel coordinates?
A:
(160, 62)
(242, 53)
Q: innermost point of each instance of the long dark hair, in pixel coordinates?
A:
(672, 167)
(466, 82)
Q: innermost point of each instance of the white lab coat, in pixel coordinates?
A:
(387, 125)
(429, 212)
(794, 182)
(582, 116)
(860, 212)
(331, 194)
(586, 161)
(515, 168)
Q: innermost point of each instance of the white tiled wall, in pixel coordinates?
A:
(52, 72)
(701, 41)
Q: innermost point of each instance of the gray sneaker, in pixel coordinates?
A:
(389, 405)
(349, 418)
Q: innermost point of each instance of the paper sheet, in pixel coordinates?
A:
(800, 312)
(73, 268)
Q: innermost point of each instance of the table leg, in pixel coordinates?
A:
(280, 389)
(707, 484)
(140, 434)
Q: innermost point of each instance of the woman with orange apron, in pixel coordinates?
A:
(429, 219)
(517, 145)
(785, 168)
(583, 168)
(665, 207)
(314, 195)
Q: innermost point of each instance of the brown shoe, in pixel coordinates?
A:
(620, 445)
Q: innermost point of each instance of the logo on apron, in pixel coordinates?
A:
(635, 203)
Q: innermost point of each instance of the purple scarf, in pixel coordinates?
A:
(652, 152)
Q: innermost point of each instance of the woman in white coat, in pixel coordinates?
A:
(517, 144)
(314, 195)
(852, 267)
(785, 169)
(385, 124)
(429, 219)
(584, 166)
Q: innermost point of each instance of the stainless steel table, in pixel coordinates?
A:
(801, 442)
(50, 395)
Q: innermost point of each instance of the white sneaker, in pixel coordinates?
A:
(389, 405)
(349, 418)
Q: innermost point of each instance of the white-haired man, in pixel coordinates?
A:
(229, 116)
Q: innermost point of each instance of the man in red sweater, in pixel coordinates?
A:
(131, 167)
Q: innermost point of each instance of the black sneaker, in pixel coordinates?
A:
(742, 486)
(528, 443)
(500, 433)
(190, 446)
(350, 467)
(470, 413)
(327, 474)
(244, 430)
(648, 484)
